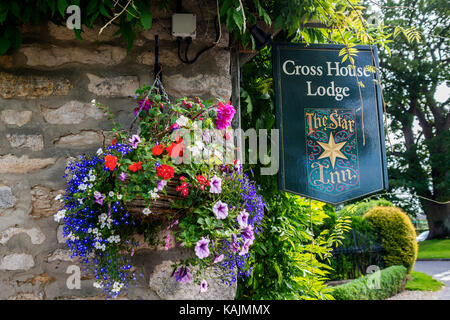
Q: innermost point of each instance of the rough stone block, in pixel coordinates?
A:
(81, 139)
(72, 112)
(121, 86)
(36, 235)
(13, 164)
(17, 118)
(167, 288)
(17, 261)
(30, 86)
(7, 199)
(43, 201)
(55, 56)
(35, 141)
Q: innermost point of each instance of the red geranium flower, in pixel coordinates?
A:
(158, 149)
(165, 171)
(110, 162)
(201, 179)
(135, 166)
(176, 149)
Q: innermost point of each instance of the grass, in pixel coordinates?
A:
(434, 249)
(422, 282)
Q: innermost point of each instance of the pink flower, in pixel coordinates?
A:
(183, 275)
(122, 176)
(216, 185)
(99, 198)
(225, 114)
(242, 219)
(245, 247)
(166, 247)
(203, 286)
(202, 249)
(134, 141)
(218, 258)
(220, 209)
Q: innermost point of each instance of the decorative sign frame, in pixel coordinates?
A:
(331, 130)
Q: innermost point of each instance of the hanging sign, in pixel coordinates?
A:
(331, 129)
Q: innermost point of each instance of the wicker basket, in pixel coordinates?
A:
(161, 208)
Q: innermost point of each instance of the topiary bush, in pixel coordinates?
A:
(379, 285)
(397, 233)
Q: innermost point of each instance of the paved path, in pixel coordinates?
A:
(439, 270)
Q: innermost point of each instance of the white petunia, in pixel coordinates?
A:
(119, 197)
(92, 178)
(111, 194)
(153, 194)
(146, 211)
(182, 121)
(99, 151)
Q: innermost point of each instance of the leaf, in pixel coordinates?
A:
(15, 9)
(4, 45)
(62, 6)
(146, 19)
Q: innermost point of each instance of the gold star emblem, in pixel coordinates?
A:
(332, 150)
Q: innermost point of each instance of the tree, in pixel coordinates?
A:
(420, 159)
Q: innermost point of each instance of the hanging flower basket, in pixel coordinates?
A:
(161, 208)
(170, 177)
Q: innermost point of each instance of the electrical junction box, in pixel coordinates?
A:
(184, 25)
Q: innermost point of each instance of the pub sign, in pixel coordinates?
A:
(331, 132)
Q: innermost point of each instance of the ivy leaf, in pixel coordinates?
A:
(4, 45)
(62, 6)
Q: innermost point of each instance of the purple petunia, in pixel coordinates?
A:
(219, 258)
(99, 198)
(216, 185)
(247, 233)
(234, 244)
(202, 249)
(242, 219)
(203, 286)
(134, 141)
(161, 184)
(245, 247)
(122, 176)
(183, 275)
(220, 209)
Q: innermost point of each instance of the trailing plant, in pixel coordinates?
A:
(288, 255)
(156, 182)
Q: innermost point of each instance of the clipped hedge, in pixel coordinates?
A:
(379, 285)
(398, 235)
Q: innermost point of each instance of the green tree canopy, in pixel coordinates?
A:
(420, 159)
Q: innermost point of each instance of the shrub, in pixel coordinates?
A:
(360, 208)
(353, 264)
(379, 285)
(398, 235)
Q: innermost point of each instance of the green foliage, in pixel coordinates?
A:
(360, 208)
(434, 249)
(391, 282)
(419, 161)
(351, 265)
(131, 16)
(397, 233)
(423, 282)
(287, 255)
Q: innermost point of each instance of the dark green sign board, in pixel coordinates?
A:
(331, 130)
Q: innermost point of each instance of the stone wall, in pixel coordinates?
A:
(46, 118)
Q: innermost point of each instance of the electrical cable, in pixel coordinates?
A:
(188, 41)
